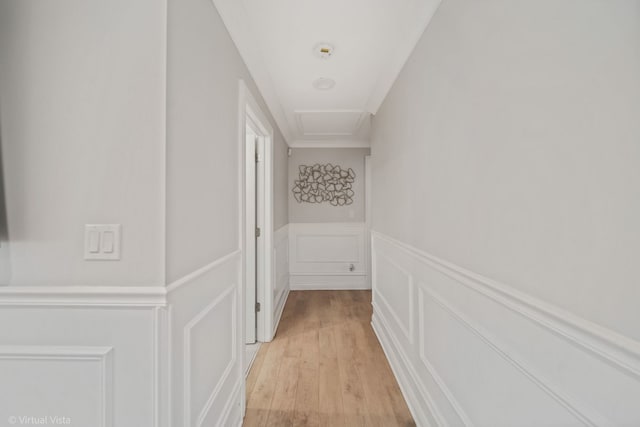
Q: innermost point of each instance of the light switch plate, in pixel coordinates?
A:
(102, 241)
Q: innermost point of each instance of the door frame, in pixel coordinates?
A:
(367, 216)
(249, 108)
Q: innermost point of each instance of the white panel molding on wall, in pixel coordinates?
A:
(471, 339)
(173, 351)
(100, 358)
(230, 297)
(82, 337)
(205, 367)
(327, 256)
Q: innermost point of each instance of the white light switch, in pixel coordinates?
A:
(107, 242)
(102, 241)
(94, 241)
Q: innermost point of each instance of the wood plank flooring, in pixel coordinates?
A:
(325, 367)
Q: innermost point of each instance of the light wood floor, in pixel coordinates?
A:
(324, 368)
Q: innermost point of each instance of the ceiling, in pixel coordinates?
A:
(280, 42)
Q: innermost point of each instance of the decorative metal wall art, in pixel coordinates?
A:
(324, 183)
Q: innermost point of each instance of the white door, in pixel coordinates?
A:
(250, 204)
(255, 251)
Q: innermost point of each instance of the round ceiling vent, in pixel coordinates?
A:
(323, 50)
(324, 83)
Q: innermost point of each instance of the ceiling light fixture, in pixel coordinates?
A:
(324, 83)
(323, 50)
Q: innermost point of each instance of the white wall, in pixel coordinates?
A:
(83, 141)
(325, 240)
(508, 150)
(324, 212)
(82, 132)
(280, 183)
(518, 156)
(202, 139)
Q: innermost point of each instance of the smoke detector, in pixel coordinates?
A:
(323, 50)
(324, 83)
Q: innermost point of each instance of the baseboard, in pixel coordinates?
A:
(329, 282)
(407, 379)
(253, 358)
(279, 309)
(232, 413)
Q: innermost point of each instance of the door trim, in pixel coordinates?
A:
(248, 107)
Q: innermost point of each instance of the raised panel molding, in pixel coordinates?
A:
(584, 414)
(204, 334)
(419, 398)
(140, 355)
(101, 356)
(619, 351)
(326, 248)
(231, 293)
(432, 371)
(393, 285)
(594, 388)
(327, 256)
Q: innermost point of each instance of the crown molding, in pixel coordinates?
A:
(235, 20)
(401, 54)
(329, 143)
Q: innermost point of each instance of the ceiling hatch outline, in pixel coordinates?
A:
(346, 122)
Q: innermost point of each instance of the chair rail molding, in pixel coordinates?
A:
(83, 296)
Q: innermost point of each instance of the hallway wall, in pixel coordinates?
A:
(204, 258)
(82, 131)
(323, 212)
(202, 139)
(124, 112)
(508, 149)
(326, 241)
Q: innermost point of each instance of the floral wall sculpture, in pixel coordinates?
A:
(324, 183)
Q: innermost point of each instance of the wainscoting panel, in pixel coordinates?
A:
(328, 256)
(486, 355)
(51, 371)
(281, 273)
(205, 332)
(394, 291)
(86, 355)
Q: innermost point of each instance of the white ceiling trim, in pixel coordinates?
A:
(233, 15)
(299, 114)
(331, 143)
(236, 18)
(401, 54)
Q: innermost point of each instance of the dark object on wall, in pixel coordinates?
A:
(324, 183)
(4, 227)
